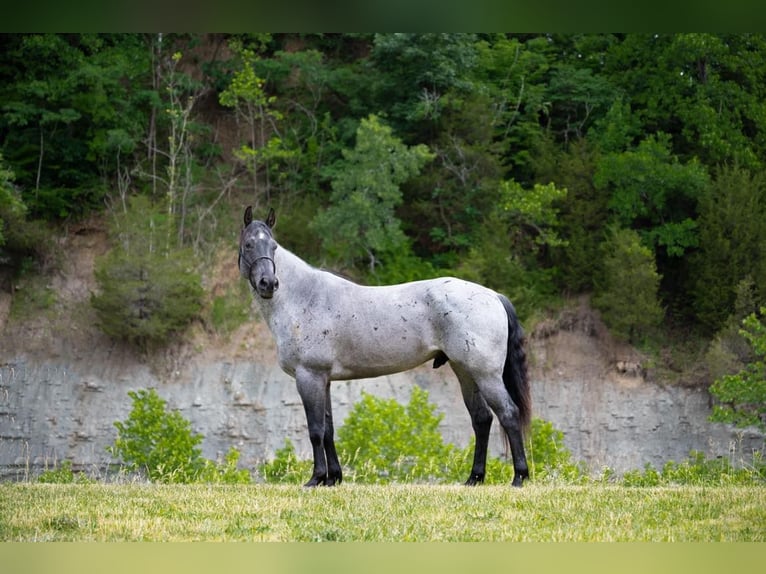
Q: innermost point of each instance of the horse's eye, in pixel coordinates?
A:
(248, 244)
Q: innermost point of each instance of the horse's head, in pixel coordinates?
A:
(256, 254)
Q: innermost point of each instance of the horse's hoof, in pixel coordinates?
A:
(474, 480)
(518, 479)
(314, 482)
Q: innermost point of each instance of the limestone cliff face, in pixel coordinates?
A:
(64, 406)
(63, 385)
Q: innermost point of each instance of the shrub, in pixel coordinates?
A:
(742, 396)
(148, 290)
(701, 471)
(384, 441)
(628, 295)
(285, 467)
(161, 445)
(226, 471)
(157, 442)
(63, 474)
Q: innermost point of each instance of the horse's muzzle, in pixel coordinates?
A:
(265, 286)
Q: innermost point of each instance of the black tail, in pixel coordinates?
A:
(515, 369)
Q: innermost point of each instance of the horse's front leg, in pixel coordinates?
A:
(334, 473)
(313, 389)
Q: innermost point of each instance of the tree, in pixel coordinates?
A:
(704, 89)
(732, 242)
(627, 296)
(246, 94)
(742, 397)
(413, 73)
(360, 223)
(65, 100)
(654, 193)
(147, 291)
(11, 207)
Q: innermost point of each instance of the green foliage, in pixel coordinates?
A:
(627, 297)
(157, 442)
(652, 192)
(148, 291)
(12, 207)
(225, 471)
(62, 474)
(161, 445)
(230, 310)
(742, 396)
(361, 224)
(732, 241)
(285, 467)
(247, 95)
(549, 458)
(699, 471)
(534, 211)
(65, 97)
(384, 441)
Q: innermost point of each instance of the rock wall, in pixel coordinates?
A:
(63, 407)
(63, 385)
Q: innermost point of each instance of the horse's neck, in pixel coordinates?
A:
(293, 269)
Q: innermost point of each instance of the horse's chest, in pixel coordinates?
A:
(301, 341)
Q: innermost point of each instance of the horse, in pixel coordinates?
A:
(328, 328)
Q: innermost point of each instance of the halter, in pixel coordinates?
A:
(264, 257)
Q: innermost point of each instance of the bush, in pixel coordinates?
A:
(161, 445)
(285, 467)
(382, 441)
(742, 396)
(701, 471)
(63, 474)
(628, 295)
(148, 290)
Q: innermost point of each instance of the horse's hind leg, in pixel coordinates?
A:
(481, 420)
(334, 473)
(494, 392)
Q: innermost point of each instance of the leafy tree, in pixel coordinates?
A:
(732, 242)
(413, 73)
(704, 89)
(147, 291)
(655, 194)
(742, 397)
(71, 103)
(627, 296)
(361, 223)
(12, 208)
(247, 95)
(582, 212)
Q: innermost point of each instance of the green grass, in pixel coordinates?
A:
(141, 512)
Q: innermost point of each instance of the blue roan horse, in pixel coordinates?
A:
(327, 328)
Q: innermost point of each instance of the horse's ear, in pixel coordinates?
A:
(271, 218)
(248, 215)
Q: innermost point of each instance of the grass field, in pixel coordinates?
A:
(141, 512)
